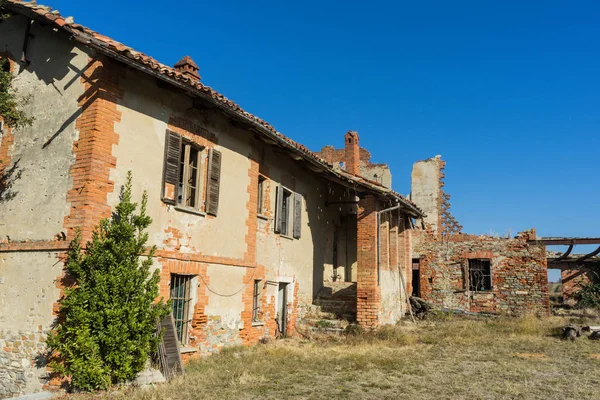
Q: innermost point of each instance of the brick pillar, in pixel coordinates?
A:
(367, 286)
(352, 153)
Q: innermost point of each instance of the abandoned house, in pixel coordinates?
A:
(474, 273)
(251, 228)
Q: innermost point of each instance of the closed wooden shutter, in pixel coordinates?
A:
(168, 353)
(214, 179)
(171, 167)
(278, 208)
(297, 215)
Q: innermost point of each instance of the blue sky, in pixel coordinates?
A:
(507, 92)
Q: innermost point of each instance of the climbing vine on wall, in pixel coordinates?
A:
(11, 108)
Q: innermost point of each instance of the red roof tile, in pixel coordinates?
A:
(89, 37)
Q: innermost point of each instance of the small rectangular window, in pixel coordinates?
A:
(261, 190)
(480, 274)
(256, 301)
(181, 299)
(288, 212)
(285, 212)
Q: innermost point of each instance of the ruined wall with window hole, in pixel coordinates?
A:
(518, 273)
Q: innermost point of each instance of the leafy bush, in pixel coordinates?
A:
(588, 295)
(110, 314)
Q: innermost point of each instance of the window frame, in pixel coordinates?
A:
(486, 278)
(286, 206)
(288, 216)
(256, 301)
(260, 206)
(187, 146)
(181, 306)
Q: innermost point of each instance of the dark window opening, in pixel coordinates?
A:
(180, 304)
(416, 277)
(261, 189)
(256, 301)
(188, 190)
(480, 275)
(285, 212)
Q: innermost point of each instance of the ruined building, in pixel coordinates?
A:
(348, 158)
(252, 229)
(475, 273)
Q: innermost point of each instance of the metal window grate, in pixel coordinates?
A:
(256, 301)
(480, 275)
(180, 303)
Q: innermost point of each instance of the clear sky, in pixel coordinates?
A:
(507, 92)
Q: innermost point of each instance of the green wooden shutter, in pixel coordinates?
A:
(278, 208)
(297, 215)
(214, 180)
(171, 165)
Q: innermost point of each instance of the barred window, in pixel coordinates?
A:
(181, 286)
(256, 301)
(480, 274)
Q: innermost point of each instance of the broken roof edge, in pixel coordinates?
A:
(151, 66)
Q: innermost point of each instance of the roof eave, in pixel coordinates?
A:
(342, 178)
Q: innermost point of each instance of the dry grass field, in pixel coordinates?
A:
(447, 358)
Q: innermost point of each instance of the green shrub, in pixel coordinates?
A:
(588, 295)
(109, 316)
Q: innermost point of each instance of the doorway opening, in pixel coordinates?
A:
(416, 277)
(282, 311)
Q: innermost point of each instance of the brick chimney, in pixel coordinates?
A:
(352, 153)
(188, 67)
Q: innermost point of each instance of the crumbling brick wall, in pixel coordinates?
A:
(518, 274)
(519, 280)
(574, 276)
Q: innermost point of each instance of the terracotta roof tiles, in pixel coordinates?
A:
(87, 36)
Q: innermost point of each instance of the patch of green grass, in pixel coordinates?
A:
(456, 358)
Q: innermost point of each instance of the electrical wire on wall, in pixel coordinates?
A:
(228, 295)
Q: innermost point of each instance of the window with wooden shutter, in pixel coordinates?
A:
(183, 176)
(171, 170)
(213, 184)
(297, 215)
(278, 207)
(286, 202)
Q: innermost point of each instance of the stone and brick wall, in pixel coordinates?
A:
(518, 269)
(35, 165)
(518, 273)
(19, 351)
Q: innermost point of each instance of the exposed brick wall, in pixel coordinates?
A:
(93, 149)
(573, 278)
(352, 153)
(368, 296)
(519, 274)
(7, 139)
